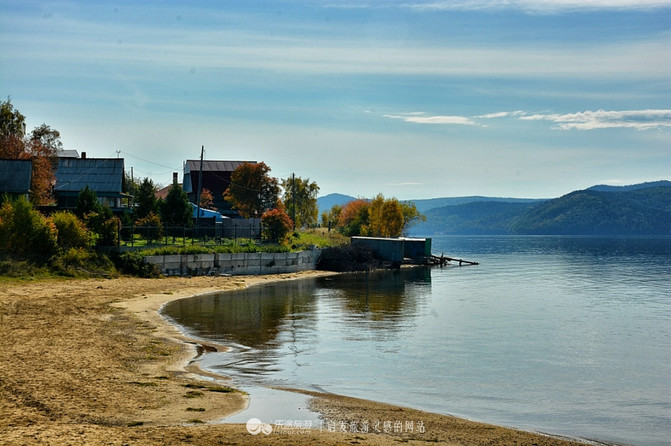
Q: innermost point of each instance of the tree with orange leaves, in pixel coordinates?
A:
(354, 218)
(41, 147)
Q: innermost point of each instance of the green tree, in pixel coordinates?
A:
(300, 199)
(12, 132)
(131, 186)
(331, 217)
(145, 200)
(176, 209)
(410, 215)
(252, 191)
(87, 203)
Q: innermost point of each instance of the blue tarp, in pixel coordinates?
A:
(207, 213)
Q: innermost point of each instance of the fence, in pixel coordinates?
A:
(207, 232)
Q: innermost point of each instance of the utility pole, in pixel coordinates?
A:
(293, 199)
(200, 184)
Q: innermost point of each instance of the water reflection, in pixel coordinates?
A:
(268, 325)
(252, 317)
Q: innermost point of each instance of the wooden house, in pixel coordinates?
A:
(105, 176)
(216, 176)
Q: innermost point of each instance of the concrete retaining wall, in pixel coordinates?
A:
(236, 264)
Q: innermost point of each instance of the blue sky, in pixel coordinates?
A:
(523, 98)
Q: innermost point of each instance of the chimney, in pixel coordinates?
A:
(83, 155)
(174, 177)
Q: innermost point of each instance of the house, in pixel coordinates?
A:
(15, 178)
(105, 176)
(216, 176)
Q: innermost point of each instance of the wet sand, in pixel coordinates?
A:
(93, 362)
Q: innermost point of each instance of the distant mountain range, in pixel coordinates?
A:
(639, 209)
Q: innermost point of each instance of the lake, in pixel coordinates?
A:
(568, 335)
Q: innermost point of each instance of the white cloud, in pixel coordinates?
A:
(602, 119)
(587, 120)
(500, 115)
(444, 120)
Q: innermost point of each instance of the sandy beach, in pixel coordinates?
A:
(93, 362)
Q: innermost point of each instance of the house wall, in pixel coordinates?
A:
(236, 264)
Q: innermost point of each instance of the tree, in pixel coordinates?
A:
(354, 218)
(87, 203)
(207, 200)
(385, 217)
(145, 200)
(410, 215)
(276, 225)
(131, 186)
(12, 132)
(300, 197)
(252, 191)
(330, 218)
(43, 146)
(176, 209)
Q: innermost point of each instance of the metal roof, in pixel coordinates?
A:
(67, 153)
(15, 176)
(99, 174)
(214, 165)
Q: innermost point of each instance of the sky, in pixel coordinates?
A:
(414, 100)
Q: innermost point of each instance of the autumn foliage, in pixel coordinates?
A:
(41, 146)
(380, 217)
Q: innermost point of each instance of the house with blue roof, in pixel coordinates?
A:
(105, 176)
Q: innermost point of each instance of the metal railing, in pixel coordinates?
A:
(206, 234)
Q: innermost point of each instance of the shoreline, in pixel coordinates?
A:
(92, 361)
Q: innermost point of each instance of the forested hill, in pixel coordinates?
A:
(592, 212)
(643, 209)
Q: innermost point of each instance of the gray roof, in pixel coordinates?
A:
(99, 174)
(67, 153)
(214, 166)
(15, 176)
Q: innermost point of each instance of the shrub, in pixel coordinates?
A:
(151, 227)
(80, 261)
(276, 225)
(24, 232)
(72, 232)
(132, 262)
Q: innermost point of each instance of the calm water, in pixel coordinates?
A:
(563, 335)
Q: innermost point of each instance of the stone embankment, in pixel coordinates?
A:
(245, 263)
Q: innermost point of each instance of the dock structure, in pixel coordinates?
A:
(443, 260)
